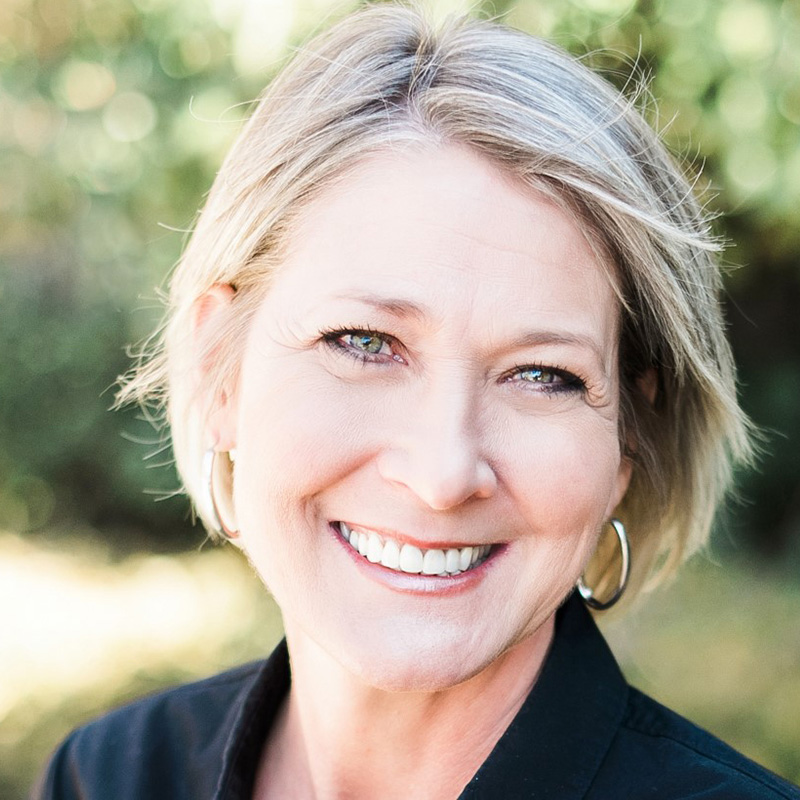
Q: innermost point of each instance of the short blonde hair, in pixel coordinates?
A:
(385, 77)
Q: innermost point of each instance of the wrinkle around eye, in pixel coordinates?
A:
(279, 342)
(603, 399)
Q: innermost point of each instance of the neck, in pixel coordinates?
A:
(326, 745)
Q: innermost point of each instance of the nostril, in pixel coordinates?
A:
(486, 479)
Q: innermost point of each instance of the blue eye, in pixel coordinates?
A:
(538, 375)
(366, 342)
(364, 345)
(551, 380)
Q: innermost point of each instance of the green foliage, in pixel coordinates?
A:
(114, 117)
(104, 161)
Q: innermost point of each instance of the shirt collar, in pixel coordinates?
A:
(556, 743)
(258, 708)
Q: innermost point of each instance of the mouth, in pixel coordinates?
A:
(409, 559)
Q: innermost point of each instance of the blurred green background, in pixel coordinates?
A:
(114, 116)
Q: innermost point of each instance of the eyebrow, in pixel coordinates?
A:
(398, 307)
(402, 307)
(537, 338)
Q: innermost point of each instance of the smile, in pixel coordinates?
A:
(410, 559)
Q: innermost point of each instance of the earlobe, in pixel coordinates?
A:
(208, 315)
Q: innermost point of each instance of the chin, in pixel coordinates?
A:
(411, 675)
(430, 661)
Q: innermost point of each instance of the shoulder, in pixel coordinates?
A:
(659, 755)
(133, 752)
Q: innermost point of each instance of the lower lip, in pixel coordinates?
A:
(413, 583)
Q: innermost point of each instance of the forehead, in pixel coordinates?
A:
(447, 227)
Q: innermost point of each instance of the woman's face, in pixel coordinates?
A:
(433, 369)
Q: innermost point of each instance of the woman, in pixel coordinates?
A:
(444, 346)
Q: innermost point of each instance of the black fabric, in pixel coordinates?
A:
(582, 734)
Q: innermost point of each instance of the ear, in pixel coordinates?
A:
(209, 312)
(624, 472)
(647, 383)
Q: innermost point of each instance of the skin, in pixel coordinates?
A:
(488, 414)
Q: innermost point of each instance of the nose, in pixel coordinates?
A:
(438, 454)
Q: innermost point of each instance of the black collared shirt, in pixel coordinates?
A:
(582, 734)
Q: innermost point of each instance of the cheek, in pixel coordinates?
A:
(564, 471)
(299, 433)
(302, 428)
(561, 479)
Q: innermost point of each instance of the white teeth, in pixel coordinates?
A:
(374, 548)
(452, 560)
(391, 555)
(411, 559)
(433, 562)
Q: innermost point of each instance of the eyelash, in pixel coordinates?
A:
(571, 381)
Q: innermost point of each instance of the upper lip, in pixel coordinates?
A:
(404, 538)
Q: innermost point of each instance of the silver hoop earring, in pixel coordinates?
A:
(588, 594)
(218, 480)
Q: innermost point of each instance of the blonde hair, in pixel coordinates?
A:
(385, 77)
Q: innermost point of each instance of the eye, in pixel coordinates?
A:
(537, 375)
(363, 344)
(552, 380)
(368, 343)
